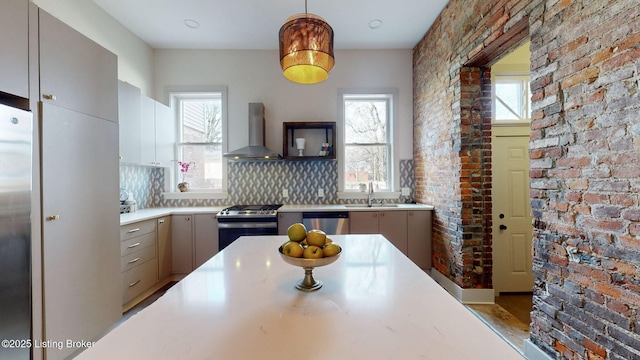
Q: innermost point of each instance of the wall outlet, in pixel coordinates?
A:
(285, 193)
(320, 192)
(406, 191)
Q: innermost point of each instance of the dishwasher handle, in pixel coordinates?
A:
(326, 215)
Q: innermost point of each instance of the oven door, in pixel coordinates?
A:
(231, 229)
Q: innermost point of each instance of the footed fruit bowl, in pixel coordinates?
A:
(308, 283)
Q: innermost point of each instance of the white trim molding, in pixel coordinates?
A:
(465, 296)
(533, 352)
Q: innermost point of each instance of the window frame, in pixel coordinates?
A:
(522, 78)
(392, 123)
(176, 95)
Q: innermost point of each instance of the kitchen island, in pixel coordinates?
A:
(243, 304)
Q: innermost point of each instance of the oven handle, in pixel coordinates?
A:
(257, 225)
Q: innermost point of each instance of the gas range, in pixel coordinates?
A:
(249, 211)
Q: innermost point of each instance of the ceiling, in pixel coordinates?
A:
(254, 24)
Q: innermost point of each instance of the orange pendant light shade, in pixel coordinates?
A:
(306, 49)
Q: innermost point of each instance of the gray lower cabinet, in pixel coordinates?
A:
(182, 243)
(419, 238)
(194, 240)
(409, 231)
(287, 219)
(205, 238)
(391, 224)
(139, 262)
(165, 254)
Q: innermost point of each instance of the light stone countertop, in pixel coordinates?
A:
(352, 207)
(242, 304)
(151, 213)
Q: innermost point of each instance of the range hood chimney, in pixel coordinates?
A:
(256, 148)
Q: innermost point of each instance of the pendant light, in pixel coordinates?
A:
(306, 48)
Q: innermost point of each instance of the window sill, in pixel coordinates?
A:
(363, 195)
(194, 195)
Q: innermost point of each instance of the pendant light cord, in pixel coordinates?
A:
(305, 6)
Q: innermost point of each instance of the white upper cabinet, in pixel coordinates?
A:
(148, 134)
(158, 133)
(147, 129)
(129, 120)
(75, 72)
(14, 42)
(165, 135)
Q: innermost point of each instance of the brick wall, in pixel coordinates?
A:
(585, 162)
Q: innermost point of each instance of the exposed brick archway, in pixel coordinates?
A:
(584, 151)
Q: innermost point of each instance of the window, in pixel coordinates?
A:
(511, 100)
(367, 129)
(201, 123)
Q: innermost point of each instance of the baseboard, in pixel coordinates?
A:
(532, 352)
(465, 296)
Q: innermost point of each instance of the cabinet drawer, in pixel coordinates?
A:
(138, 280)
(137, 243)
(136, 229)
(137, 258)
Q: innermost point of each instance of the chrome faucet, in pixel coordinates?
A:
(370, 195)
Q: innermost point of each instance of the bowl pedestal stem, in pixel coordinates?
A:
(308, 284)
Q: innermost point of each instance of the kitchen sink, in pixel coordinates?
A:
(373, 205)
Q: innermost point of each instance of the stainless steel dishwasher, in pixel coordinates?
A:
(332, 223)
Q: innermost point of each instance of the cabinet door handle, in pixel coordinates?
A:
(133, 230)
(53, 217)
(134, 283)
(49, 97)
(133, 245)
(161, 221)
(134, 260)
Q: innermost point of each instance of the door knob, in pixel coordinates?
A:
(503, 227)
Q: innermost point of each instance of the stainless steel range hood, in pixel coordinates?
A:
(256, 149)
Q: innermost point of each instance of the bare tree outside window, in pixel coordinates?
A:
(201, 141)
(367, 145)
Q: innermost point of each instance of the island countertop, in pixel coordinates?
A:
(242, 304)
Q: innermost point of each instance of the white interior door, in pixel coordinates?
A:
(512, 229)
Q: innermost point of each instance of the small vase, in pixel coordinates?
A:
(363, 187)
(183, 186)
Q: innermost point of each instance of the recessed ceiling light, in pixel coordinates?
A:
(192, 24)
(375, 23)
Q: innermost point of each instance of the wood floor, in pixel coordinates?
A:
(146, 302)
(509, 317)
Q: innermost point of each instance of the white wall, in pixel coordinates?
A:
(135, 57)
(255, 76)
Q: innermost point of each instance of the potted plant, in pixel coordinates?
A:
(184, 169)
(362, 186)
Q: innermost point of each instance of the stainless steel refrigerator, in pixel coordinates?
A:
(16, 128)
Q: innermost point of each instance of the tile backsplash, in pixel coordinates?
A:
(254, 182)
